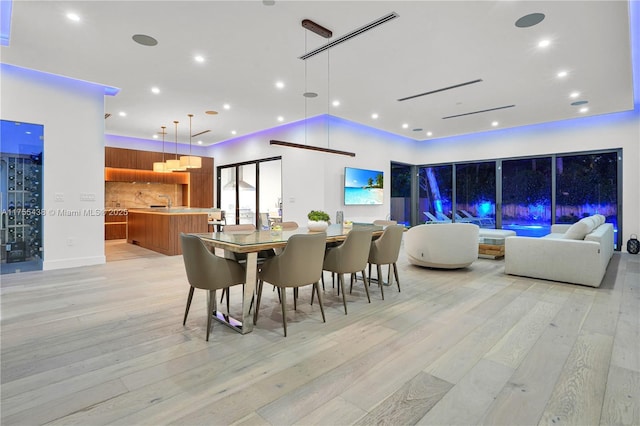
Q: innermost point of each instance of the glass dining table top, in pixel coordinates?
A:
(259, 239)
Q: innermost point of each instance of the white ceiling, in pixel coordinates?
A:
(248, 46)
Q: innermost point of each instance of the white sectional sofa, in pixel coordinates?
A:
(577, 253)
(442, 245)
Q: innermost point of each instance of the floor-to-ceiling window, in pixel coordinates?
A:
(526, 195)
(251, 192)
(587, 184)
(21, 196)
(401, 189)
(435, 191)
(475, 194)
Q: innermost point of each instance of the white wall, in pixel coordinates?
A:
(72, 113)
(313, 180)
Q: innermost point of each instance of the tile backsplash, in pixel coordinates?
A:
(140, 195)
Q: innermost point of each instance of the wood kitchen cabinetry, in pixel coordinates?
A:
(115, 224)
(197, 183)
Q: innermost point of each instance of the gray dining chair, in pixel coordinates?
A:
(299, 264)
(384, 251)
(209, 272)
(348, 258)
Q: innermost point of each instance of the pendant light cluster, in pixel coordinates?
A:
(177, 164)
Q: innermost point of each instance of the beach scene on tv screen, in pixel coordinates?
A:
(362, 186)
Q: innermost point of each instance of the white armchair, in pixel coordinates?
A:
(442, 245)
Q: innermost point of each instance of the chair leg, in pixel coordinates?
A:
(369, 275)
(341, 284)
(295, 298)
(364, 283)
(211, 300)
(380, 279)
(395, 272)
(186, 311)
(284, 310)
(224, 291)
(317, 289)
(255, 313)
(228, 291)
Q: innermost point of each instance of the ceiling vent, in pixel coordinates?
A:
(479, 112)
(455, 86)
(350, 35)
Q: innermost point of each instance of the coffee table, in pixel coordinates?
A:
(491, 247)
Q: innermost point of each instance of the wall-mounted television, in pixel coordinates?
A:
(363, 187)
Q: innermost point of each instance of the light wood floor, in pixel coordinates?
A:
(105, 345)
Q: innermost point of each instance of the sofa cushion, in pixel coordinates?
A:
(579, 230)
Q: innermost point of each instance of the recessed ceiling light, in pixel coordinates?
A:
(233, 132)
(280, 118)
(405, 126)
(429, 134)
(226, 106)
(530, 20)
(280, 84)
(144, 40)
(574, 94)
(336, 103)
(544, 43)
(562, 74)
(494, 123)
(155, 90)
(122, 114)
(199, 142)
(198, 58)
(374, 116)
(73, 17)
(155, 136)
(584, 109)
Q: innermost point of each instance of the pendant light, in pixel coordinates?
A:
(161, 167)
(190, 161)
(174, 165)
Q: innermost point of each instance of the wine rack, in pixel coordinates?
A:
(21, 236)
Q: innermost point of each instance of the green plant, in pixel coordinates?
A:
(318, 216)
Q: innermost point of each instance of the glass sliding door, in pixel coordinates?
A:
(401, 184)
(248, 192)
(476, 194)
(435, 190)
(270, 192)
(526, 196)
(585, 185)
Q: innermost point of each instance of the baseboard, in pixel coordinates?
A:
(48, 265)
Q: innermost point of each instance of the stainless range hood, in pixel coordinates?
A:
(242, 185)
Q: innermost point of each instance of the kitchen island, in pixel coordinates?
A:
(159, 229)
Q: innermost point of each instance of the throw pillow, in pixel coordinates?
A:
(578, 230)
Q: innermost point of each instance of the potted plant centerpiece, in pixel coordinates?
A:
(318, 220)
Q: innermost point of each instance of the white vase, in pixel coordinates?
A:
(317, 226)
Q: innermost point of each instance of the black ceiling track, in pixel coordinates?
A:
(455, 86)
(479, 112)
(350, 35)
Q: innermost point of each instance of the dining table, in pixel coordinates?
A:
(254, 241)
